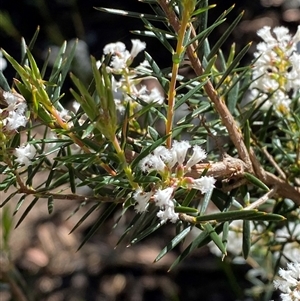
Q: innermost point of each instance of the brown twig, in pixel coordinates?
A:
(262, 200)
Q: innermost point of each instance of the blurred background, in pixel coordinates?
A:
(46, 265)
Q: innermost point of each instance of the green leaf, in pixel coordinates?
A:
(233, 93)
(28, 209)
(132, 14)
(215, 237)
(187, 210)
(225, 36)
(173, 243)
(157, 72)
(202, 10)
(266, 125)
(210, 64)
(247, 135)
(147, 33)
(230, 215)
(255, 181)
(146, 232)
(246, 238)
(225, 234)
(191, 247)
(34, 172)
(206, 201)
(233, 65)
(142, 179)
(71, 177)
(50, 204)
(189, 197)
(98, 223)
(19, 204)
(82, 204)
(34, 67)
(269, 217)
(33, 39)
(86, 101)
(159, 34)
(85, 216)
(188, 95)
(3, 82)
(203, 34)
(235, 85)
(148, 219)
(8, 198)
(131, 225)
(20, 70)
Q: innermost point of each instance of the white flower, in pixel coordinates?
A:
(162, 152)
(162, 197)
(289, 282)
(75, 105)
(15, 111)
(114, 48)
(14, 121)
(198, 155)
(137, 47)
(142, 198)
(167, 214)
(296, 37)
(152, 162)
(282, 34)
(276, 72)
(180, 148)
(119, 56)
(204, 184)
(118, 63)
(25, 154)
(265, 34)
(10, 98)
(153, 97)
(3, 63)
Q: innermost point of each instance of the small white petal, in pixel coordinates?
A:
(180, 148)
(142, 198)
(198, 155)
(25, 154)
(137, 47)
(162, 197)
(114, 48)
(204, 184)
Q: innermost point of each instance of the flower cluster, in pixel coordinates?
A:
(276, 72)
(13, 116)
(129, 87)
(289, 282)
(170, 164)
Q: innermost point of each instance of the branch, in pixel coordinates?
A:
(225, 115)
(284, 189)
(251, 164)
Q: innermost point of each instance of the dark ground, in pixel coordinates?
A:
(41, 248)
